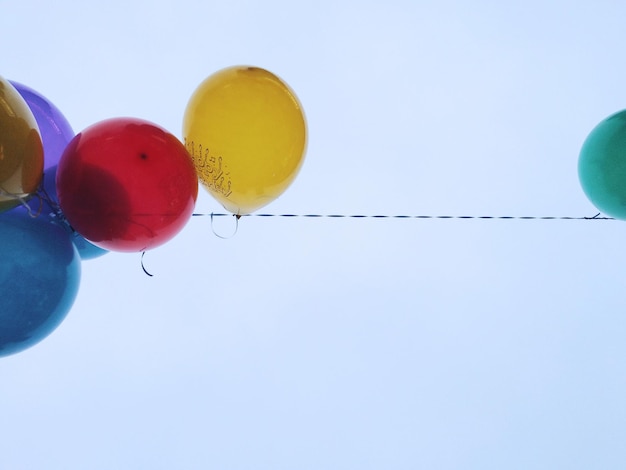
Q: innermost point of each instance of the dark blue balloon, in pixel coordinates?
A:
(39, 279)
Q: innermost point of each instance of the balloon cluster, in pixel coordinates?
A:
(126, 184)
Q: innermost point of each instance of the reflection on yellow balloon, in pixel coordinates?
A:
(246, 131)
(21, 150)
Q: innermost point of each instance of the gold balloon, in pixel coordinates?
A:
(21, 149)
(246, 132)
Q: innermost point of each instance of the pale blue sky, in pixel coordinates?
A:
(342, 343)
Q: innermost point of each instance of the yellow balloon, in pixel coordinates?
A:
(21, 149)
(246, 132)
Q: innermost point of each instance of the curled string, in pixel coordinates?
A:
(56, 213)
(212, 215)
(23, 201)
(33, 214)
(142, 265)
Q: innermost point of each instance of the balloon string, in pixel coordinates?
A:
(212, 215)
(143, 253)
(56, 212)
(22, 199)
(363, 216)
(32, 213)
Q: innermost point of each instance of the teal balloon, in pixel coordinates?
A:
(602, 166)
(39, 279)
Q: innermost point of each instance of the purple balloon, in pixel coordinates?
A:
(55, 131)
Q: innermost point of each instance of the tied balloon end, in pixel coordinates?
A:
(225, 237)
(33, 212)
(39, 202)
(45, 200)
(599, 216)
(9, 200)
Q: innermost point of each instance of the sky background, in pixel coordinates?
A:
(305, 343)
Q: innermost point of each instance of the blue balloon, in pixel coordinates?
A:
(39, 279)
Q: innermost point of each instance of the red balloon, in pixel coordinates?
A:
(126, 184)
